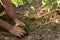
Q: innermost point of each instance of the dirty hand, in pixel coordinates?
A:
(17, 31)
(19, 22)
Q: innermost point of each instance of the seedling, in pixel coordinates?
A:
(26, 14)
(18, 25)
(55, 4)
(17, 2)
(21, 1)
(46, 1)
(47, 8)
(32, 7)
(25, 27)
(13, 1)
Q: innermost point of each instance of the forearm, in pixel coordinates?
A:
(9, 9)
(5, 25)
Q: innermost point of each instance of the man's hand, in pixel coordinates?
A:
(19, 22)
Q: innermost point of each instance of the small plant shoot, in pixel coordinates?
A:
(26, 14)
(45, 4)
(13, 1)
(46, 1)
(17, 2)
(18, 25)
(46, 8)
(26, 26)
(32, 7)
(21, 1)
(55, 4)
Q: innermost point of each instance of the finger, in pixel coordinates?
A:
(18, 35)
(21, 30)
(22, 34)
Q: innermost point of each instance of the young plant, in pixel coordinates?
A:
(26, 26)
(46, 4)
(13, 1)
(17, 2)
(18, 25)
(26, 14)
(46, 1)
(55, 4)
(21, 1)
(47, 8)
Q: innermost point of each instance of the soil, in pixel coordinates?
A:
(43, 25)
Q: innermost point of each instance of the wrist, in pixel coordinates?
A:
(16, 20)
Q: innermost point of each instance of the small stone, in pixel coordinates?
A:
(32, 7)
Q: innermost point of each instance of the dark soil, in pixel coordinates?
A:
(43, 25)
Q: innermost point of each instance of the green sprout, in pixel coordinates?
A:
(55, 4)
(21, 1)
(26, 26)
(46, 1)
(17, 1)
(13, 1)
(46, 4)
(18, 25)
(26, 14)
(47, 8)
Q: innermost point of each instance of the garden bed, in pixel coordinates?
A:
(43, 25)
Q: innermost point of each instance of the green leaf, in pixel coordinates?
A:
(17, 1)
(13, 1)
(26, 14)
(55, 4)
(26, 26)
(21, 1)
(18, 25)
(46, 7)
(46, 1)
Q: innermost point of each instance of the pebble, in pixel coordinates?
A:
(32, 7)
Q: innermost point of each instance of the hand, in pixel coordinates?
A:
(19, 22)
(17, 31)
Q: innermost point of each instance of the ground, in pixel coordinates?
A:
(43, 25)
